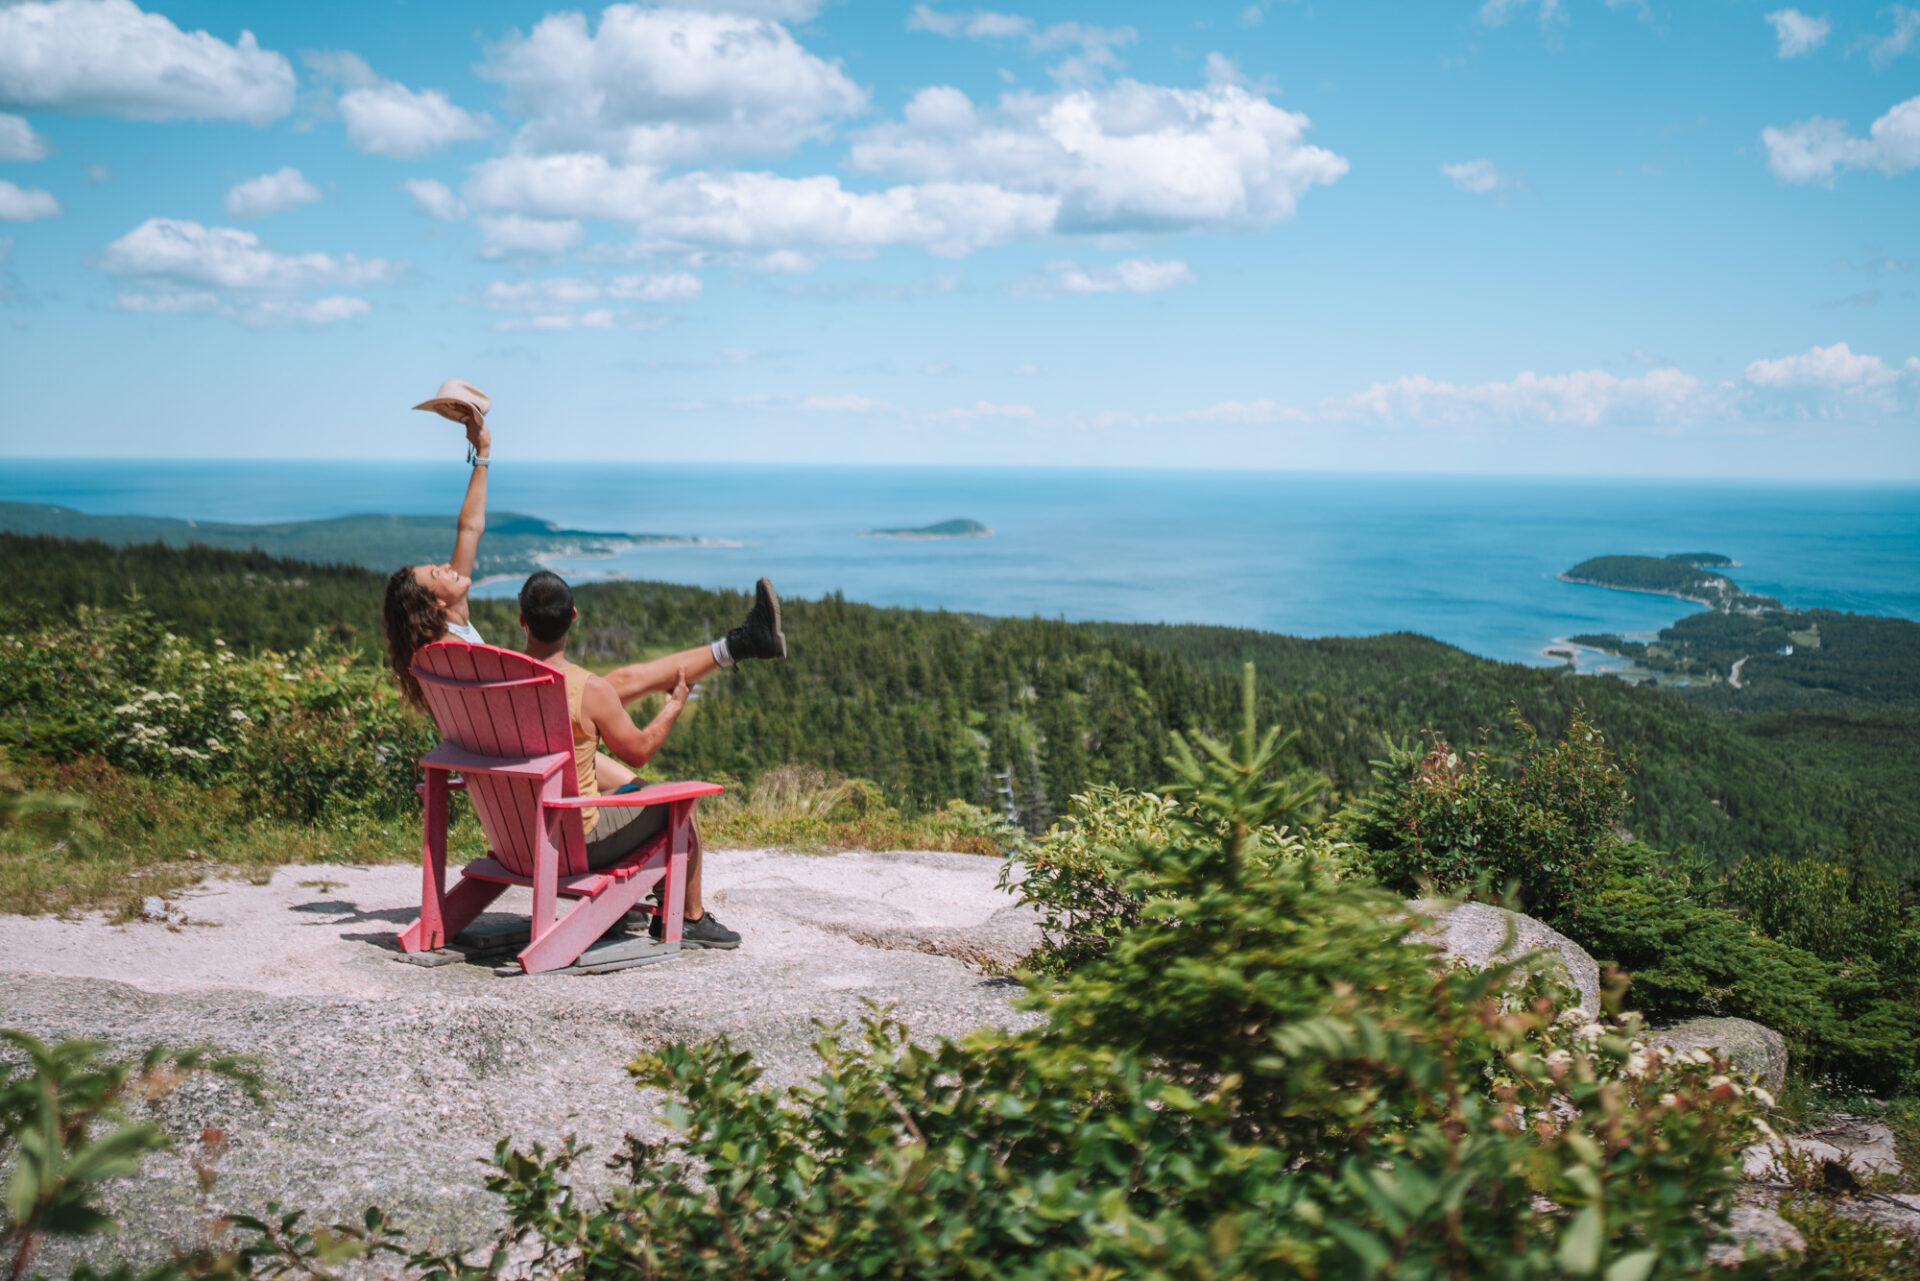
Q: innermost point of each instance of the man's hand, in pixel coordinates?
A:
(681, 691)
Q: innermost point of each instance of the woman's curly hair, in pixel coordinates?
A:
(410, 618)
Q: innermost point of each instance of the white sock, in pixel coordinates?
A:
(720, 654)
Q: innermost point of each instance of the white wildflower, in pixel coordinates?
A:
(1762, 1095)
(1570, 1017)
(1591, 1032)
(237, 715)
(1637, 1064)
(1669, 1100)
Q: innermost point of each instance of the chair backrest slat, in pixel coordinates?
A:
(495, 703)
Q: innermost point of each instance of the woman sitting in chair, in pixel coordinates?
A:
(428, 603)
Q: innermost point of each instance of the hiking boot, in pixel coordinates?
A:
(705, 932)
(760, 636)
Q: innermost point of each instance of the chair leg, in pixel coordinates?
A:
(430, 931)
(681, 836)
(565, 939)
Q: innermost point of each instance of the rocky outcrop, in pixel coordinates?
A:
(1480, 934)
(390, 1083)
(1753, 1047)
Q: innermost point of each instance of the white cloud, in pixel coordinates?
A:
(1816, 150)
(1833, 369)
(168, 302)
(26, 204)
(1092, 47)
(986, 409)
(1906, 25)
(551, 293)
(1480, 177)
(281, 313)
(1798, 34)
(181, 252)
(1585, 397)
(108, 57)
(1131, 156)
(268, 312)
(678, 286)
(759, 211)
(18, 141)
(662, 86)
(514, 236)
(271, 193)
(434, 199)
(1132, 275)
(385, 118)
(847, 404)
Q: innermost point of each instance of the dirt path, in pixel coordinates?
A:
(1733, 677)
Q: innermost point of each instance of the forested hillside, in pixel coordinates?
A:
(931, 706)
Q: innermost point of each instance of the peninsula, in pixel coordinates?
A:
(515, 543)
(1688, 576)
(945, 529)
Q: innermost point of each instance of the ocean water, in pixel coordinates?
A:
(1467, 560)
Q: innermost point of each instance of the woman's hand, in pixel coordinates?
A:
(680, 690)
(477, 434)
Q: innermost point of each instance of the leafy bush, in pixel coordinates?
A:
(1261, 1078)
(1542, 821)
(318, 732)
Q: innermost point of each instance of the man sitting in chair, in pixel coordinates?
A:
(546, 613)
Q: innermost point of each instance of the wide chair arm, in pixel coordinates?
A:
(658, 794)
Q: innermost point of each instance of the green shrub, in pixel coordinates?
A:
(305, 735)
(1542, 822)
(1261, 1078)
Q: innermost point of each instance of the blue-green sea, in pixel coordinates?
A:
(1467, 560)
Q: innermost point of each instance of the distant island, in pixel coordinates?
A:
(514, 543)
(1687, 576)
(945, 529)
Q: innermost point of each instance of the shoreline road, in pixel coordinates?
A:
(1733, 677)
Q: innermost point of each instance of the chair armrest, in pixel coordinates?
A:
(658, 794)
(453, 785)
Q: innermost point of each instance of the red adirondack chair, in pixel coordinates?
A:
(507, 732)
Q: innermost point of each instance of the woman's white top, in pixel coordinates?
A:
(466, 632)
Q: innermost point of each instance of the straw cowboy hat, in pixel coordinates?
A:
(457, 399)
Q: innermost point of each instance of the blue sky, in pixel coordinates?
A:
(1535, 236)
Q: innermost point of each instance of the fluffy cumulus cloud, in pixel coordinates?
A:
(551, 294)
(1798, 34)
(19, 141)
(1816, 150)
(664, 86)
(26, 204)
(1481, 177)
(435, 199)
(184, 252)
(1836, 379)
(109, 57)
(1584, 397)
(1128, 157)
(1131, 276)
(758, 211)
(270, 193)
(514, 236)
(385, 118)
(186, 267)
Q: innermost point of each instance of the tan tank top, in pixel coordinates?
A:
(586, 743)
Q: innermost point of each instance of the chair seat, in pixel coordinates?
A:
(583, 884)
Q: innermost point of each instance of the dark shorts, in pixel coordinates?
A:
(621, 831)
